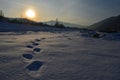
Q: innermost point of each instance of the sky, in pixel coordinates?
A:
(83, 12)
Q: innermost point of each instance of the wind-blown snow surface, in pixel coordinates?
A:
(58, 56)
(12, 27)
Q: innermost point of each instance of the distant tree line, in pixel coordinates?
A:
(30, 22)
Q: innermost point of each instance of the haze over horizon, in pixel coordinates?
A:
(84, 12)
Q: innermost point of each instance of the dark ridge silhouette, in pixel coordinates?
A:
(111, 24)
(66, 24)
(23, 25)
(29, 25)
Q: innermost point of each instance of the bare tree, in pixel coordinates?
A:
(56, 23)
(1, 14)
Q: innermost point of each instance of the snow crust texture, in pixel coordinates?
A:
(58, 56)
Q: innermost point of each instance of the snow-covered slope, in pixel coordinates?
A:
(11, 27)
(101, 35)
(57, 56)
(111, 24)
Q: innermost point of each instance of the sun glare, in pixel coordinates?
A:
(30, 13)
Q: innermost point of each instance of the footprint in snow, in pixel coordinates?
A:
(29, 46)
(32, 42)
(37, 50)
(37, 40)
(69, 38)
(43, 38)
(28, 56)
(35, 44)
(34, 66)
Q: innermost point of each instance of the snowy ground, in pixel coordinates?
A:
(58, 56)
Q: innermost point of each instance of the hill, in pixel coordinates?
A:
(111, 24)
(22, 24)
(52, 22)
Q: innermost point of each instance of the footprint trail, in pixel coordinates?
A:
(34, 65)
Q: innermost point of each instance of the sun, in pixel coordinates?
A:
(30, 13)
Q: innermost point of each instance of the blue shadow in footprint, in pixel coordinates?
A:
(29, 46)
(37, 50)
(28, 56)
(35, 44)
(34, 66)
